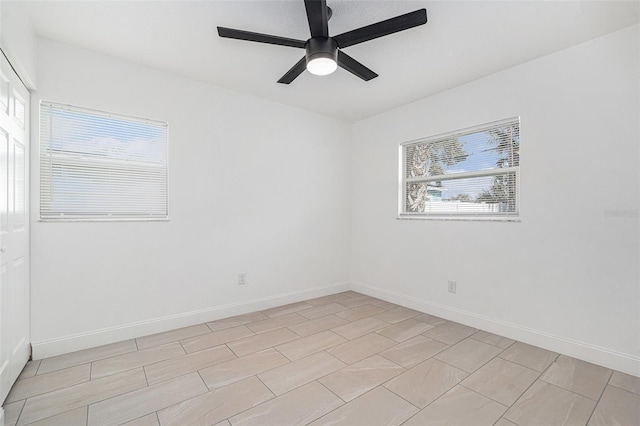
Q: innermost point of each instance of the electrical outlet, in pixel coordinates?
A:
(242, 278)
(452, 286)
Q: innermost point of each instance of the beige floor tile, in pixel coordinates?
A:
(276, 322)
(309, 345)
(53, 403)
(317, 325)
(132, 360)
(325, 300)
(376, 407)
(237, 369)
(351, 293)
(138, 403)
(360, 327)
(405, 330)
(236, 321)
(29, 370)
(297, 373)
(262, 341)
(459, 407)
(545, 404)
(354, 347)
(354, 302)
(501, 380)
(359, 378)
(493, 339)
(504, 422)
(360, 312)
(626, 382)
(430, 319)
(218, 405)
(216, 338)
(297, 407)
(323, 310)
(577, 376)
(468, 355)
(12, 412)
(413, 351)
(449, 332)
(77, 417)
(361, 348)
(287, 309)
(87, 355)
(43, 383)
(384, 304)
(185, 364)
(530, 356)
(171, 336)
(424, 383)
(148, 420)
(398, 314)
(344, 297)
(617, 407)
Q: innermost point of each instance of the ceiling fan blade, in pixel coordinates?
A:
(260, 38)
(317, 17)
(355, 67)
(382, 28)
(295, 71)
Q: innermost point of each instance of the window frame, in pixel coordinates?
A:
(496, 171)
(104, 216)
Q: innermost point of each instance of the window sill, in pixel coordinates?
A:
(462, 218)
(107, 220)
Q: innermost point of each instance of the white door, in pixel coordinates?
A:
(14, 227)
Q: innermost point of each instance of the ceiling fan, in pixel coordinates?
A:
(323, 53)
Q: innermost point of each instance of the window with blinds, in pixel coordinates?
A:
(469, 173)
(100, 166)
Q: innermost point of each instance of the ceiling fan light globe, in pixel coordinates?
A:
(322, 66)
(321, 55)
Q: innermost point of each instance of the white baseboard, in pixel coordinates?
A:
(611, 359)
(90, 339)
(607, 358)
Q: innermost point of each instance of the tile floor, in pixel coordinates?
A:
(341, 359)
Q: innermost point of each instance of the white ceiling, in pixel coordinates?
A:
(462, 41)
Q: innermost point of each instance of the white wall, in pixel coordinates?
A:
(18, 41)
(565, 277)
(569, 278)
(255, 187)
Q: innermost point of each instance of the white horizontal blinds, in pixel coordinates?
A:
(469, 172)
(100, 166)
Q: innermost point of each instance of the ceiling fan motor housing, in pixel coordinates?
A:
(321, 47)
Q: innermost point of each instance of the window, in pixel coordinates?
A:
(470, 173)
(99, 166)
